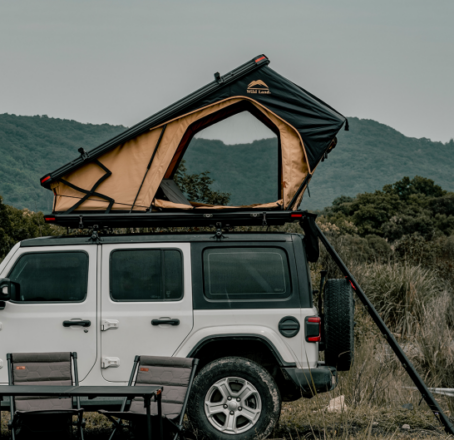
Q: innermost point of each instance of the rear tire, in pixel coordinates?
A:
(234, 398)
(339, 310)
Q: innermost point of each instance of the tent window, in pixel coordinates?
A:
(242, 157)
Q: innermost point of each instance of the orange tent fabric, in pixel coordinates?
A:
(128, 163)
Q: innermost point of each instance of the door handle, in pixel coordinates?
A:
(81, 323)
(165, 321)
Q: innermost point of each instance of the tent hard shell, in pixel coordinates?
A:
(133, 172)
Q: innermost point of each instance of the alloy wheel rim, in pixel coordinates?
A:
(233, 405)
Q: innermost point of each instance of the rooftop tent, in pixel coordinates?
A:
(133, 171)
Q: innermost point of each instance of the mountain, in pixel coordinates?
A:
(372, 155)
(31, 146)
(366, 158)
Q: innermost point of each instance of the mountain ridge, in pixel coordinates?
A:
(367, 157)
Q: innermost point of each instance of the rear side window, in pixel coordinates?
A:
(246, 273)
(146, 275)
(50, 277)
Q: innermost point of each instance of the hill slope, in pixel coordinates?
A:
(31, 146)
(367, 157)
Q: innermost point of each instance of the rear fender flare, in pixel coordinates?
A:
(284, 356)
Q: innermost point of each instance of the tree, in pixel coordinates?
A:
(197, 187)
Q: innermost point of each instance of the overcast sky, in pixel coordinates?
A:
(119, 61)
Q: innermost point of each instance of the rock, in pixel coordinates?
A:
(406, 427)
(375, 424)
(337, 405)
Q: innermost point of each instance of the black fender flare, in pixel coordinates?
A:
(243, 337)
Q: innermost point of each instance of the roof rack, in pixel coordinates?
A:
(216, 218)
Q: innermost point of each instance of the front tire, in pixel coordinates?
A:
(234, 398)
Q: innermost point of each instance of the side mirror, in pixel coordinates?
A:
(5, 289)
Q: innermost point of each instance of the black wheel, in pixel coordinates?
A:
(234, 398)
(339, 324)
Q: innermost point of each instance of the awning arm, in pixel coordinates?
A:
(408, 366)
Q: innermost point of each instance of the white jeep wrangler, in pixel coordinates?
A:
(243, 305)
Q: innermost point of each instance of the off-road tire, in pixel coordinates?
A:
(245, 369)
(339, 310)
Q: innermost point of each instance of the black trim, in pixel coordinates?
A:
(164, 115)
(312, 380)
(92, 192)
(243, 337)
(175, 237)
(300, 189)
(198, 218)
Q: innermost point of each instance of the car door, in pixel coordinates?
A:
(146, 303)
(53, 306)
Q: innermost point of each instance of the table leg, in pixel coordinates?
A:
(159, 399)
(147, 405)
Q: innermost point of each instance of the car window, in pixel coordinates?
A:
(246, 273)
(50, 277)
(146, 275)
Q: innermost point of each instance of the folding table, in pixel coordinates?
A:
(147, 392)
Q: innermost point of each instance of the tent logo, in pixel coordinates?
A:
(258, 87)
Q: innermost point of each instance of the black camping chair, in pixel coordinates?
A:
(176, 376)
(30, 414)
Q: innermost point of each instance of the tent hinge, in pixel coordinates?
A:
(218, 78)
(81, 222)
(264, 222)
(83, 154)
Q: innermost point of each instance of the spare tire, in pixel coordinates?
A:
(339, 311)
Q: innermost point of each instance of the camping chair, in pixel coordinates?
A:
(175, 375)
(31, 413)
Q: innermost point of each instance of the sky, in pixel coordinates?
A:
(120, 61)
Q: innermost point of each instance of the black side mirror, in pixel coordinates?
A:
(5, 289)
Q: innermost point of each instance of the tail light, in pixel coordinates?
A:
(45, 179)
(49, 218)
(313, 328)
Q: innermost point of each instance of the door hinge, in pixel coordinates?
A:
(106, 324)
(107, 362)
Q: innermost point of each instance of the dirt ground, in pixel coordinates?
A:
(309, 420)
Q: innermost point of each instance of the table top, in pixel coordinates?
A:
(81, 390)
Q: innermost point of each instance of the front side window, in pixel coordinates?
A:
(50, 277)
(146, 275)
(246, 273)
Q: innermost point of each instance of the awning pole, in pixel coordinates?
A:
(408, 366)
(300, 189)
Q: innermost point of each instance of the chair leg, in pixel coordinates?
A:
(113, 433)
(81, 430)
